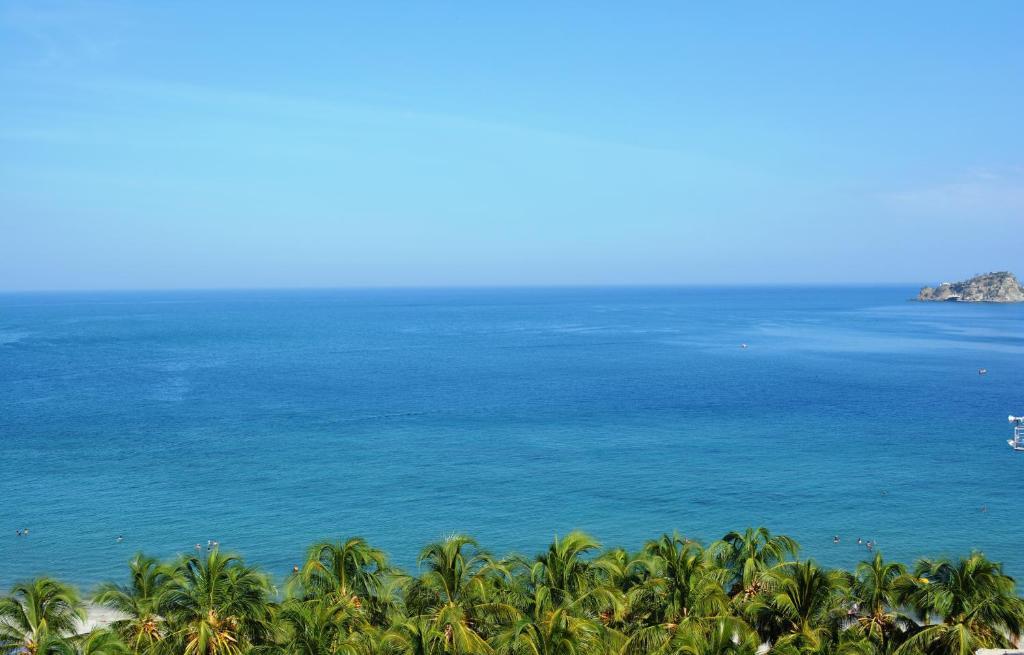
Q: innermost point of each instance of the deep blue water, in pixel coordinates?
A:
(268, 420)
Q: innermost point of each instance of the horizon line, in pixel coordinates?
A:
(465, 287)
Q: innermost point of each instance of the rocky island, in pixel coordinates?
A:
(990, 287)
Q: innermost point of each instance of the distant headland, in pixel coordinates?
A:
(990, 287)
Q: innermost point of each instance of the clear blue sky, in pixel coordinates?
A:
(219, 144)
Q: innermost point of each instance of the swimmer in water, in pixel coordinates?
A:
(120, 538)
(835, 539)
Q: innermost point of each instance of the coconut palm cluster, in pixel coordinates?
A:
(747, 594)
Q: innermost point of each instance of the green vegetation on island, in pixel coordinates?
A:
(746, 594)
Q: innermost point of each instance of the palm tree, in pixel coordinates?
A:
(804, 610)
(454, 592)
(556, 631)
(385, 607)
(685, 586)
(137, 602)
(623, 588)
(565, 576)
(350, 569)
(38, 617)
(414, 636)
(915, 592)
(320, 626)
(101, 642)
(724, 636)
(693, 586)
(874, 609)
(373, 640)
(216, 606)
(564, 569)
(977, 602)
(750, 555)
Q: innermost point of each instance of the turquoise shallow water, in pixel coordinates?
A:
(267, 420)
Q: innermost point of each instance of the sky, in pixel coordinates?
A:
(241, 144)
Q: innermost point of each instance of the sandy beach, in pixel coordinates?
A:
(98, 616)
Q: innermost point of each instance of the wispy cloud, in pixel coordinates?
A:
(315, 126)
(53, 35)
(980, 192)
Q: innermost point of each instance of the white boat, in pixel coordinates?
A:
(1017, 443)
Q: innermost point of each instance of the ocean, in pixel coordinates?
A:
(267, 420)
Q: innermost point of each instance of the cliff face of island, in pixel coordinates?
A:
(991, 287)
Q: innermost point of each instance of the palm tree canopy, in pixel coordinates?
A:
(137, 601)
(750, 554)
(216, 605)
(37, 616)
(746, 594)
(975, 600)
(347, 568)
